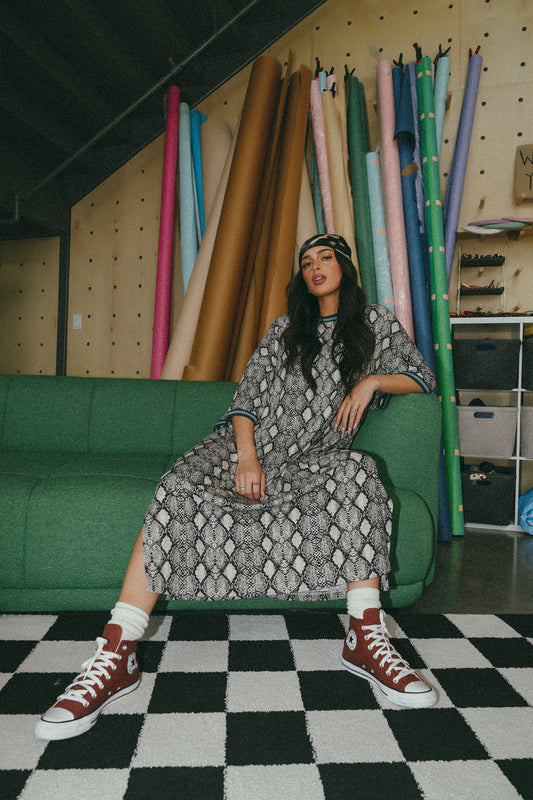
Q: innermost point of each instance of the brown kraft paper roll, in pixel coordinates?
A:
(282, 240)
(243, 338)
(215, 323)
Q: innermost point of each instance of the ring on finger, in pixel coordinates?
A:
(242, 488)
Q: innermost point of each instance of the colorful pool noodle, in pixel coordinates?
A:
(163, 287)
(405, 137)
(379, 233)
(357, 148)
(197, 118)
(392, 196)
(440, 309)
(454, 190)
(188, 236)
(319, 137)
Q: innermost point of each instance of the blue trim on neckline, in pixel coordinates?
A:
(328, 319)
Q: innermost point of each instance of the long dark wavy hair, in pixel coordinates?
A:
(353, 341)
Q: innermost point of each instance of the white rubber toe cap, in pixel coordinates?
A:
(417, 687)
(58, 714)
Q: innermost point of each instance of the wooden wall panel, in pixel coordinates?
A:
(113, 266)
(29, 273)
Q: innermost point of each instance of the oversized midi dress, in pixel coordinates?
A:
(326, 519)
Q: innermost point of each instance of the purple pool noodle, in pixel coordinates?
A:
(454, 191)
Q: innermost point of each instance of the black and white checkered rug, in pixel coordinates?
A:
(258, 707)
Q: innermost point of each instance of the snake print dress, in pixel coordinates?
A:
(326, 519)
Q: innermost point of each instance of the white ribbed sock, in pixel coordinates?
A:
(131, 619)
(361, 599)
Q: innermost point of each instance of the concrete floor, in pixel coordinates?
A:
(484, 572)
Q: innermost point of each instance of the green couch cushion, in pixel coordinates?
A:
(412, 549)
(47, 413)
(132, 416)
(197, 411)
(32, 463)
(14, 501)
(124, 465)
(94, 519)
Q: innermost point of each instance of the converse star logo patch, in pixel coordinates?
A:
(351, 639)
(132, 663)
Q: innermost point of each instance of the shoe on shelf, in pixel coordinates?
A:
(369, 653)
(111, 673)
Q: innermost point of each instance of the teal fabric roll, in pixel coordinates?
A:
(379, 233)
(188, 236)
(440, 310)
(357, 147)
(196, 147)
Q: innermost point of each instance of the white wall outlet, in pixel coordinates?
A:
(76, 322)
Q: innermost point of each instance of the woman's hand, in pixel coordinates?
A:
(250, 478)
(353, 406)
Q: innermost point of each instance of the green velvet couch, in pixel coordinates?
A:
(80, 458)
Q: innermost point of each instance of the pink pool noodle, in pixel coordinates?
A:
(319, 136)
(163, 289)
(392, 197)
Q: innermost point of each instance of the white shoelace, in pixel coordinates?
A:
(92, 670)
(379, 639)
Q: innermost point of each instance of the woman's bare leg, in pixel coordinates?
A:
(134, 589)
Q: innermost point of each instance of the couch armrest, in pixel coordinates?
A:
(404, 439)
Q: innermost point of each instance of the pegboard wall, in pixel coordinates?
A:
(115, 229)
(113, 265)
(28, 306)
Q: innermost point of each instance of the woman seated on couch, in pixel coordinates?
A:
(275, 502)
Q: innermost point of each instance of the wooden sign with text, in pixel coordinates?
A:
(523, 173)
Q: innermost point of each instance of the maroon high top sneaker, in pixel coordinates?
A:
(111, 673)
(369, 653)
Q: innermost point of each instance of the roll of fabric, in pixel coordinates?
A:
(384, 292)
(197, 118)
(411, 67)
(392, 196)
(163, 287)
(213, 333)
(283, 236)
(454, 190)
(183, 332)
(340, 191)
(440, 91)
(188, 235)
(306, 224)
(321, 149)
(317, 195)
(216, 141)
(439, 286)
(405, 137)
(246, 321)
(357, 149)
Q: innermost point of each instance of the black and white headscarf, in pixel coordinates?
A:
(334, 240)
